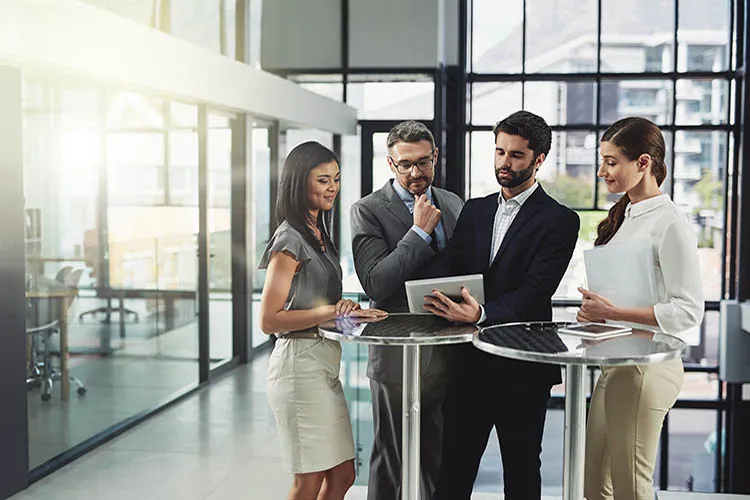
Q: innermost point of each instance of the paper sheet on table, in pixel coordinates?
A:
(623, 273)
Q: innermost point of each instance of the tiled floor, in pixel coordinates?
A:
(141, 372)
(219, 444)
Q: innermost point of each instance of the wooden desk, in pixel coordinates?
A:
(66, 296)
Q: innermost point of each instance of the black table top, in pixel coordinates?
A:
(399, 329)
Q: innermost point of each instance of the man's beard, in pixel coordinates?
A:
(411, 186)
(516, 178)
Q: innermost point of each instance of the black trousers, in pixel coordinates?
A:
(385, 460)
(516, 408)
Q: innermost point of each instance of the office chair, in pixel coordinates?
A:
(91, 259)
(41, 323)
(63, 273)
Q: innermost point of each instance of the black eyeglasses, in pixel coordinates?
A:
(423, 164)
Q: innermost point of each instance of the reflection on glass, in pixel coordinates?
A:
(482, 179)
(491, 102)
(562, 103)
(392, 100)
(496, 36)
(692, 438)
(351, 174)
(201, 23)
(698, 172)
(127, 255)
(703, 35)
(638, 37)
(381, 171)
(560, 36)
(701, 102)
(262, 215)
(219, 239)
(567, 173)
(650, 99)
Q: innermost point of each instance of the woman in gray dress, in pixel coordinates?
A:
(303, 290)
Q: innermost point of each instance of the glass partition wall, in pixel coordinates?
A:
(128, 210)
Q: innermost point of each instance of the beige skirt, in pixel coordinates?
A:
(308, 403)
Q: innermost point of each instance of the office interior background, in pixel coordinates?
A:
(140, 149)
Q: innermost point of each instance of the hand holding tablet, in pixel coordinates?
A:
(416, 290)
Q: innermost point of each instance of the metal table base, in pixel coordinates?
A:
(549, 342)
(410, 332)
(575, 432)
(411, 477)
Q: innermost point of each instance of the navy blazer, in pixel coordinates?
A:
(520, 281)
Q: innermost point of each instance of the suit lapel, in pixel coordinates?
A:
(396, 205)
(448, 217)
(486, 223)
(529, 208)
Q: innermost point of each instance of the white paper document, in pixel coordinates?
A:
(623, 273)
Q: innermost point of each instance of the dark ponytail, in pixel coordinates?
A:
(633, 136)
(609, 226)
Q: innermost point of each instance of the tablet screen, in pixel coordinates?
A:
(594, 329)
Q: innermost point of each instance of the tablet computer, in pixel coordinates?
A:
(595, 330)
(416, 290)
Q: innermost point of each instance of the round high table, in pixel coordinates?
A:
(411, 332)
(542, 342)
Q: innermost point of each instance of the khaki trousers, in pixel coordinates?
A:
(622, 435)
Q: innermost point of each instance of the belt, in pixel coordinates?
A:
(301, 334)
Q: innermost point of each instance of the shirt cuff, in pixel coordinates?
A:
(422, 234)
(483, 316)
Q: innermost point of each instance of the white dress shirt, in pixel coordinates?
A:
(679, 289)
(507, 210)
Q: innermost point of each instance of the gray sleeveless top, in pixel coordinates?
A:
(318, 282)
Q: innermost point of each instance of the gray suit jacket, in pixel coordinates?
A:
(386, 254)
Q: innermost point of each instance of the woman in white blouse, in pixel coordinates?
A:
(629, 403)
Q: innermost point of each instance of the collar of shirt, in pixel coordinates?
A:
(645, 206)
(520, 198)
(407, 197)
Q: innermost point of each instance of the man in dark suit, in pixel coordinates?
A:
(395, 231)
(521, 240)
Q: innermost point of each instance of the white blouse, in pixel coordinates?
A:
(679, 289)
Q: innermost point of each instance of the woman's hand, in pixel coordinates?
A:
(369, 313)
(595, 308)
(582, 318)
(345, 307)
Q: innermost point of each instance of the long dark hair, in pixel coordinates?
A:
(291, 203)
(634, 136)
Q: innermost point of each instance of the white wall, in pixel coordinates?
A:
(301, 34)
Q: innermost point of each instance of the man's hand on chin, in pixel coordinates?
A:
(467, 311)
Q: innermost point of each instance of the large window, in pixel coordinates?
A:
(584, 65)
(693, 112)
(211, 24)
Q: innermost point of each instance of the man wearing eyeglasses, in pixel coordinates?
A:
(395, 230)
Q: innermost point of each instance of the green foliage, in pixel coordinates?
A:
(574, 192)
(709, 191)
(589, 221)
